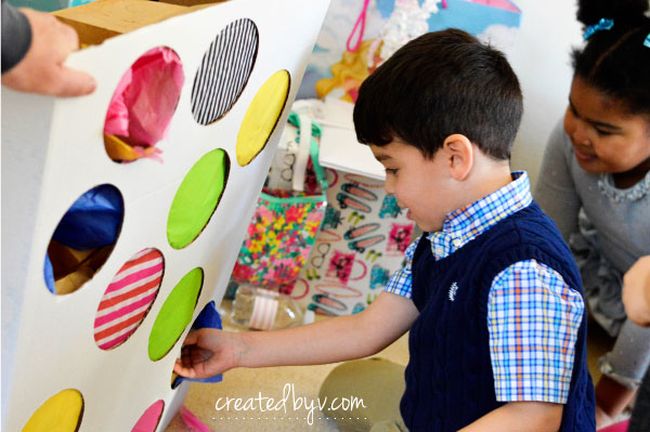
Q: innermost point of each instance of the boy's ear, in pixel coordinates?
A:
(460, 155)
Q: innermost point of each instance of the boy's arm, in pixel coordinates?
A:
(533, 323)
(208, 352)
(335, 339)
(520, 417)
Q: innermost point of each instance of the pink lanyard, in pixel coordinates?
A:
(360, 25)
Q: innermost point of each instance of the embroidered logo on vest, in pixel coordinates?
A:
(452, 291)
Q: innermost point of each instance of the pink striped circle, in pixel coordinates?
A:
(128, 298)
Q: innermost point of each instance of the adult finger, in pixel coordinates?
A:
(69, 38)
(74, 83)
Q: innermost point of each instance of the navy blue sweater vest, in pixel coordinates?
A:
(449, 379)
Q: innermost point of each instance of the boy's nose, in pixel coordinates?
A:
(388, 186)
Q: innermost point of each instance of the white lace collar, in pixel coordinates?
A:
(634, 193)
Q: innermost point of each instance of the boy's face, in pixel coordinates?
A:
(421, 185)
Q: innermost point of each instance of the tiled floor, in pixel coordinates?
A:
(247, 383)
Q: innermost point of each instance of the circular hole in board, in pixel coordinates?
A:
(224, 71)
(175, 314)
(84, 239)
(143, 105)
(262, 117)
(128, 298)
(197, 198)
(61, 412)
(150, 419)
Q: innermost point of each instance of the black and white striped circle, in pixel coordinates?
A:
(224, 71)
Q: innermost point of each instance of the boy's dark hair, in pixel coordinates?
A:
(439, 84)
(615, 61)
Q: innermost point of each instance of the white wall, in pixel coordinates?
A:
(540, 57)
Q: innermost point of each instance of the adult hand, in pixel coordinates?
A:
(636, 291)
(42, 70)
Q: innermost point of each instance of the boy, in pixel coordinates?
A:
(490, 292)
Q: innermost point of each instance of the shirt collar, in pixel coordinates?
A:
(463, 225)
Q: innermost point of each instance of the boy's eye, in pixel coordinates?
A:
(391, 171)
(601, 132)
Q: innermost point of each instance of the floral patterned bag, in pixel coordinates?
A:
(284, 226)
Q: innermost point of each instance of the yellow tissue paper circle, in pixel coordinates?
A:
(60, 413)
(262, 116)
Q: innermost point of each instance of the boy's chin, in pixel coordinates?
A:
(427, 227)
(424, 225)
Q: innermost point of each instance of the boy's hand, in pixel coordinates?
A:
(208, 352)
(42, 70)
(636, 291)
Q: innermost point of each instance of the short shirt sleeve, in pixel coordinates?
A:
(401, 281)
(533, 322)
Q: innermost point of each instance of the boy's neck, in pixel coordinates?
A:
(484, 180)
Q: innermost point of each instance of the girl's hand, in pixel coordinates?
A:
(208, 352)
(636, 291)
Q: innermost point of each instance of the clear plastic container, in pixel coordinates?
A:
(263, 309)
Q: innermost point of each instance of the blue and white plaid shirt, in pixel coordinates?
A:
(533, 315)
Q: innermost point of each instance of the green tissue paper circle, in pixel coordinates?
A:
(175, 314)
(197, 198)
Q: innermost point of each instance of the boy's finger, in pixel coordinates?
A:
(191, 338)
(185, 359)
(184, 371)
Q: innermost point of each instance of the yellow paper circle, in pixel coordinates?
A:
(262, 116)
(60, 413)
